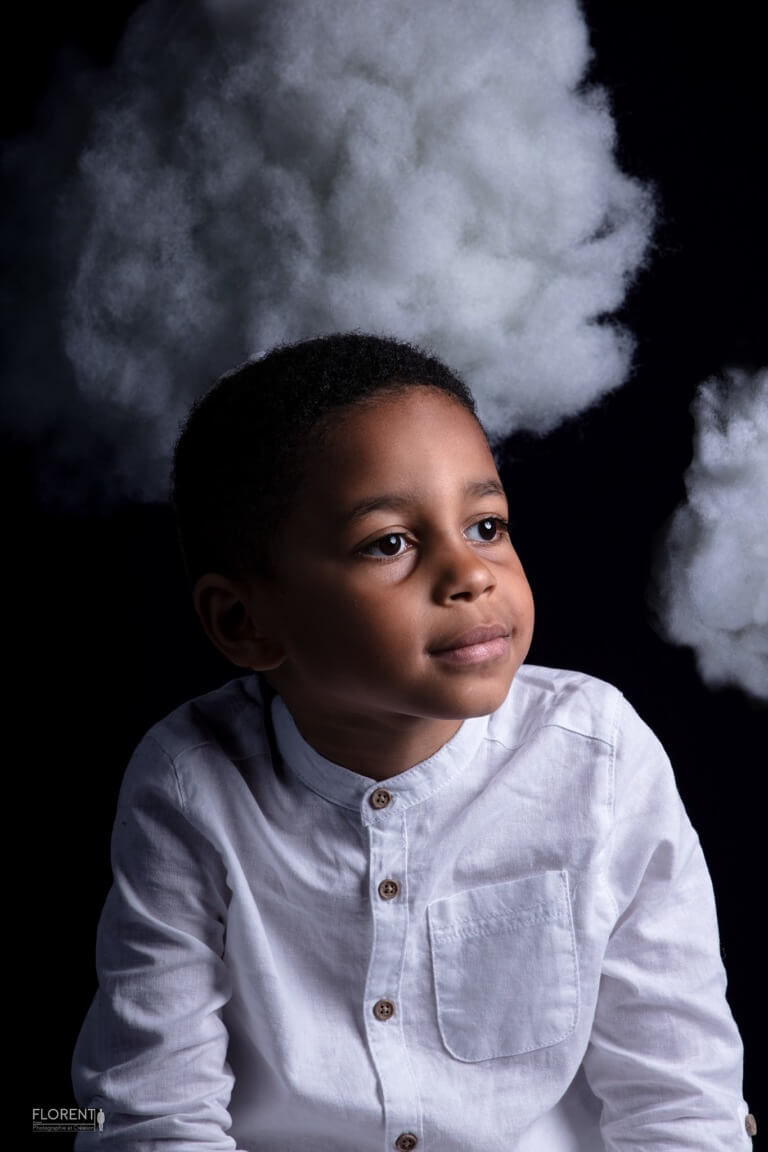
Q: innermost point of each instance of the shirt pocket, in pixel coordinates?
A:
(505, 967)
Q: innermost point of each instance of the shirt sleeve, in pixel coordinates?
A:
(152, 1050)
(665, 1057)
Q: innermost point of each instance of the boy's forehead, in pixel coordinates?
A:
(402, 443)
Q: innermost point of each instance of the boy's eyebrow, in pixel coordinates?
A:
(397, 500)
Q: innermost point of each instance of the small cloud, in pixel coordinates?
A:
(712, 578)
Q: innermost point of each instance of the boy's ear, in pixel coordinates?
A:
(230, 616)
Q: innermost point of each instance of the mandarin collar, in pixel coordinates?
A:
(349, 789)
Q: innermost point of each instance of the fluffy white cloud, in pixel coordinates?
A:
(714, 570)
(267, 172)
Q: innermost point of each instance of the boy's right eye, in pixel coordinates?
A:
(386, 546)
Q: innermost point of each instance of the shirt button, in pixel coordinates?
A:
(380, 798)
(383, 1009)
(406, 1141)
(388, 889)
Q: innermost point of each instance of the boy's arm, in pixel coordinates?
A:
(665, 1056)
(152, 1050)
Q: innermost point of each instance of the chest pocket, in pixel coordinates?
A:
(505, 967)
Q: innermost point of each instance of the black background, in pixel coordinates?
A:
(104, 615)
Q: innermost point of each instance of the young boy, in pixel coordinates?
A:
(395, 891)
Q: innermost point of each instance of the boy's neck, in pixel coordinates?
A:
(376, 748)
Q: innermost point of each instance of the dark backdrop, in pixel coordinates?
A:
(103, 610)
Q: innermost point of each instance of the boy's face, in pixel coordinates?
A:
(397, 592)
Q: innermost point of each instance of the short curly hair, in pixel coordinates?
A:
(241, 453)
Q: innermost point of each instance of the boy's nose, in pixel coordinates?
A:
(461, 574)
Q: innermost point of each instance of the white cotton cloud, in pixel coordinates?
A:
(262, 173)
(713, 578)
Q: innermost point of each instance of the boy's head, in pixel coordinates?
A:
(246, 444)
(346, 530)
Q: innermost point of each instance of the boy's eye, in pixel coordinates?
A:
(487, 529)
(386, 546)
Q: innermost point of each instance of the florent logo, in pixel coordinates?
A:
(70, 1119)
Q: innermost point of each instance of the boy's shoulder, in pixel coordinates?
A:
(198, 753)
(542, 697)
(228, 719)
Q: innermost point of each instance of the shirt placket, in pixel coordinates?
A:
(384, 1011)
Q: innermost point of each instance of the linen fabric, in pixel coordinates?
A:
(545, 945)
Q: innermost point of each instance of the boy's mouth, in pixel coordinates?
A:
(478, 645)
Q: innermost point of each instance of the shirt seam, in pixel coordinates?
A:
(611, 800)
(405, 802)
(508, 913)
(171, 761)
(488, 926)
(403, 964)
(189, 748)
(563, 728)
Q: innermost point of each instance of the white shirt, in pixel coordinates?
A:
(479, 953)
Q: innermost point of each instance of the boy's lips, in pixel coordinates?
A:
(487, 642)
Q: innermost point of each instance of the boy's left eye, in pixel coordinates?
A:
(488, 529)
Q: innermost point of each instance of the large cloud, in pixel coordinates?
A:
(713, 579)
(261, 173)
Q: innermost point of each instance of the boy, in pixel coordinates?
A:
(394, 891)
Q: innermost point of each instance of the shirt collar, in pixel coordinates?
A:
(351, 790)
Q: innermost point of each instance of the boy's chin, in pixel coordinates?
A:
(481, 700)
